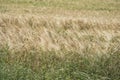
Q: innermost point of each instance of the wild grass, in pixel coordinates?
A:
(46, 5)
(59, 40)
(40, 65)
(45, 48)
(57, 33)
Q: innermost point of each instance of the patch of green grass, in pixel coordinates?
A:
(3, 9)
(69, 5)
(40, 65)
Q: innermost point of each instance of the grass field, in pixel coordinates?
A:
(59, 40)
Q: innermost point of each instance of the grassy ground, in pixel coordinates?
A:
(65, 4)
(59, 40)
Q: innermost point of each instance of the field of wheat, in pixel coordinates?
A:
(59, 40)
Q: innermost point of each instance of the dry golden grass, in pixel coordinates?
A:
(69, 33)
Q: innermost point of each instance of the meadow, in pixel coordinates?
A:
(59, 40)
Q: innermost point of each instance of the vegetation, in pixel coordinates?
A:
(51, 66)
(65, 4)
(59, 40)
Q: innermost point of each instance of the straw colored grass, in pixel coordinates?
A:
(57, 33)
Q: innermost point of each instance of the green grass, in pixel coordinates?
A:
(67, 5)
(42, 65)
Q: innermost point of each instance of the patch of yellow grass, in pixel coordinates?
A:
(79, 34)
